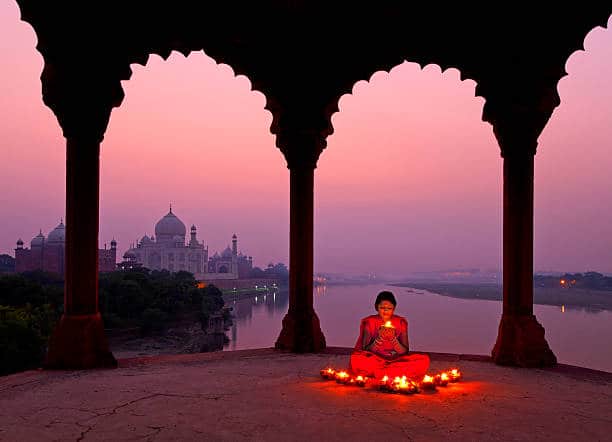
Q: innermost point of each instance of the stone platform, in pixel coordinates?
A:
(268, 395)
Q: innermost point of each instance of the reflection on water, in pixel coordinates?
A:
(436, 323)
(257, 320)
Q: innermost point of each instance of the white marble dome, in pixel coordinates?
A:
(38, 240)
(227, 253)
(57, 235)
(169, 226)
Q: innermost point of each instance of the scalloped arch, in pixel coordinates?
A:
(387, 69)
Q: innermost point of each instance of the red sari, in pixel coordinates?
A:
(391, 357)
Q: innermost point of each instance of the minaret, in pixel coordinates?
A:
(20, 261)
(193, 241)
(113, 255)
(235, 245)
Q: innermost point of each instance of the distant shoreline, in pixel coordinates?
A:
(593, 300)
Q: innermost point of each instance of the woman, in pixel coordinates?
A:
(382, 347)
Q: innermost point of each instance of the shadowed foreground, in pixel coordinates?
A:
(269, 395)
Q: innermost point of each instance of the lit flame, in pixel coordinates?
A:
(427, 379)
(385, 378)
(360, 378)
(401, 382)
(388, 324)
(342, 375)
(455, 374)
(444, 377)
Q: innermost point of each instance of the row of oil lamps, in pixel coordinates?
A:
(396, 385)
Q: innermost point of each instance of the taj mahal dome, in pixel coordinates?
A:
(169, 250)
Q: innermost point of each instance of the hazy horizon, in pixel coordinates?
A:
(411, 179)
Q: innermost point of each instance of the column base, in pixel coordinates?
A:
(521, 342)
(301, 333)
(78, 342)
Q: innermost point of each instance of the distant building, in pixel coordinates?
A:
(48, 254)
(167, 250)
(7, 264)
(230, 261)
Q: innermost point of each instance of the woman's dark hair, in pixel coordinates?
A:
(385, 296)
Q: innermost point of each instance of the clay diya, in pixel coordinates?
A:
(428, 383)
(404, 385)
(384, 384)
(342, 377)
(328, 373)
(455, 375)
(441, 379)
(360, 381)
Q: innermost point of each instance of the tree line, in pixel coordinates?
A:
(277, 271)
(31, 304)
(587, 280)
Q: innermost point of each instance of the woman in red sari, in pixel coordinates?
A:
(382, 347)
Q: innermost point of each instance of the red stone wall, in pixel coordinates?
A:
(52, 258)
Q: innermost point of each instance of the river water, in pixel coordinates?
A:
(436, 323)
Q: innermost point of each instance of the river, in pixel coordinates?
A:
(436, 323)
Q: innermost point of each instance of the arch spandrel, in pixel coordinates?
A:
(304, 55)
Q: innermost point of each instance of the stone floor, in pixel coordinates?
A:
(268, 395)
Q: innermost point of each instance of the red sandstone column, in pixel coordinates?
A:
(301, 330)
(79, 341)
(520, 340)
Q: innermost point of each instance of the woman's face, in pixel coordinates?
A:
(385, 310)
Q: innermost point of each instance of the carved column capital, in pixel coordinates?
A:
(301, 148)
(519, 111)
(81, 97)
(301, 127)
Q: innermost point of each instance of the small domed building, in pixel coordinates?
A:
(48, 254)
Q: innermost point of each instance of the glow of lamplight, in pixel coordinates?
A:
(455, 375)
(383, 384)
(403, 385)
(360, 381)
(328, 373)
(441, 379)
(342, 377)
(388, 324)
(428, 383)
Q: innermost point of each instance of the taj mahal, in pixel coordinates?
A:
(168, 250)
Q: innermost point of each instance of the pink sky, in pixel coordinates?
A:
(410, 181)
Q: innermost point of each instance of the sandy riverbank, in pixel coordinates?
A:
(570, 298)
